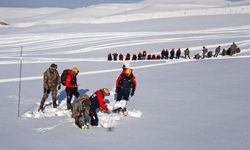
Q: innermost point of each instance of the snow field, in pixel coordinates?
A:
(178, 105)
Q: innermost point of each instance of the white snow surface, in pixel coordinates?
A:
(107, 120)
(178, 104)
(114, 13)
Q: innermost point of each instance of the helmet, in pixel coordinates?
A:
(75, 70)
(128, 71)
(106, 91)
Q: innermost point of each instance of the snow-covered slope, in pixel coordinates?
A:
(109, 13)
(178, 105)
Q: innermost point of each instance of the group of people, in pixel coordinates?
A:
(84, 110)
(115, 56)
(165, 54)
(233, 49)
(171, 54)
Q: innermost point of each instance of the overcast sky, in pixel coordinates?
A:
(58, 3)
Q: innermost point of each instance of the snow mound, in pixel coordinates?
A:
(49, 111)
(135, 113)
(114, 105)
(110, 120)
(106, 120)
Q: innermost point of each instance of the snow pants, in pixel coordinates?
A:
(123, 94)
(70, 92)
(94, 118)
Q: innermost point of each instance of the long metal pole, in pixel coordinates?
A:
(20, 80)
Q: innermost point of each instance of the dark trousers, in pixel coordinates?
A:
(70, 92)
(123, 94)
(94, 118)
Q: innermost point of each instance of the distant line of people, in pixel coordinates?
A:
(175, 54)
(140, 56)
(165, 54)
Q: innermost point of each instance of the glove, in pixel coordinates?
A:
(86, 126)
(59, 87)
(132, 93)
(107, 111)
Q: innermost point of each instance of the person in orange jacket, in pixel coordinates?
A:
(125, 84)
(97, 101)
(71, 86)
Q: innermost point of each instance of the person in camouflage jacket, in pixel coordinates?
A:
(204, 52)
(51, 83)
(81, 111)
(187, 53)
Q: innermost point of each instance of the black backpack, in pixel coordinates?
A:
(63, 76)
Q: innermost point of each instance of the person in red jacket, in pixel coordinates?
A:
(71, 86)
(97, 101)
(125, 84)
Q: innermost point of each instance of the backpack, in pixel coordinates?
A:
(63, 76)
(126, 82)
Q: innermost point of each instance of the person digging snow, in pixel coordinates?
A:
(125, 85)
(97, 101)
(81, 111)
(51, 83)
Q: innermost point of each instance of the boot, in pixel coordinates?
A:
(77, 123)
(117, 110)
(124, 111)
(69, 107)
(54, 104)
(41, 108)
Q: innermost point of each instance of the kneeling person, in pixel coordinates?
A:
(81, 111)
